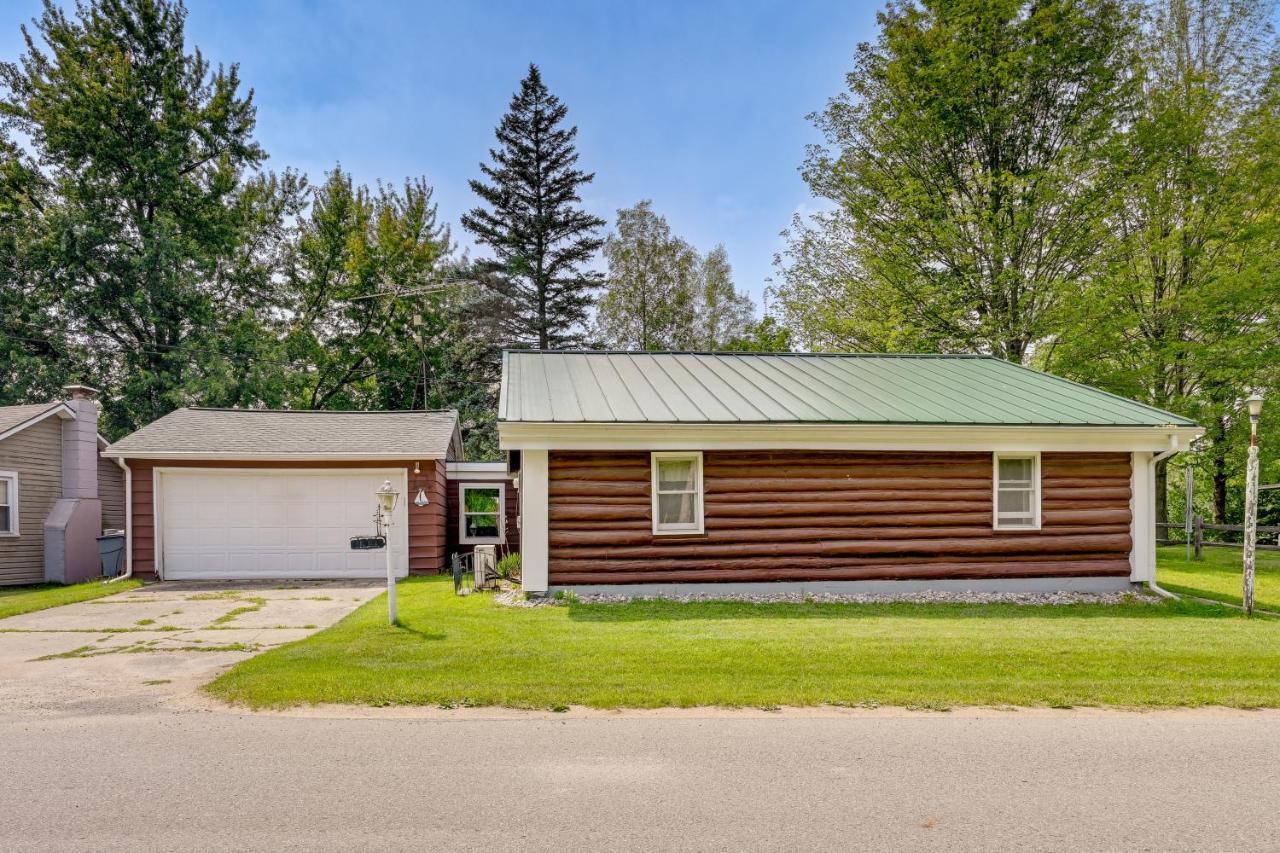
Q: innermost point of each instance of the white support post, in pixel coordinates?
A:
(1142, 508)
(533, 521)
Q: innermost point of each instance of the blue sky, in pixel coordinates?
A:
(699, 106)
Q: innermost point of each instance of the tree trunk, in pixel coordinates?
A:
(1162, 493)
(1219, 451)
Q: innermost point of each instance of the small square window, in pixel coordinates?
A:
(677, 493)
(1016, 491)
(482, 511)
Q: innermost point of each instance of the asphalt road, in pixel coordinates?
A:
(159, 779)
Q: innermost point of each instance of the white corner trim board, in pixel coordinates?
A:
(534, 517)
(1142, 554)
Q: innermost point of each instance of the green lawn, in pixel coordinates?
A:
(27, 599)
(1219, 575)
(469, 651)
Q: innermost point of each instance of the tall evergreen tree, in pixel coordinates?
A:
(533, 223)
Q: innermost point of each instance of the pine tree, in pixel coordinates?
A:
(533, 223)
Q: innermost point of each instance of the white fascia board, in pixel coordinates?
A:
(62, 410)
(483, 470)
(552, 436)
(179, 456)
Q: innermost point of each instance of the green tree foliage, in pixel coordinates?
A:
(37, 357)
(964, 166)
(533, 223)
(145, 148)
(363, 266)
(724, 314)
(1182, 314)
(660, 293)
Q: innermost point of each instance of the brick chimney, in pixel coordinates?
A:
(80, 444)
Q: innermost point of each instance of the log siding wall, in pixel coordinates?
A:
(797, 515)
(426, 524)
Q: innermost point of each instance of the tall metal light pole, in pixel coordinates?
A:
(1254, 404)
(387, 496)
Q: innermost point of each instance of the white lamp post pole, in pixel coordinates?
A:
(387, 496)
(1251, 502)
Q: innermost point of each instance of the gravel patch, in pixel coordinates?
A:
(515, 598)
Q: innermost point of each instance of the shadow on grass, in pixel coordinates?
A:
(636, 611)
(418, 633)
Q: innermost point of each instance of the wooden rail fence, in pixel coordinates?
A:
(1198, 527)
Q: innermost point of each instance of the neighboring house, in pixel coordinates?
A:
(243, 494)
(57, 494)
(639, 470)
(483, 507)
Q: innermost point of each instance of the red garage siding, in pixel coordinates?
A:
(426, 524)
(800, 515)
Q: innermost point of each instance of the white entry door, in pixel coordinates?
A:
(272, 523)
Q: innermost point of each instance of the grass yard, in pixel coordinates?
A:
(1219, 574)
(15, 600)
(469, 651)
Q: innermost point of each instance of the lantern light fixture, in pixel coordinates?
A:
(387, 498)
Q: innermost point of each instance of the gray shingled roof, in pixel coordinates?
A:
(231, 433)
(13, 416)
(689, 387)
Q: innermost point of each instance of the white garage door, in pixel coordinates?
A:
(243, 524)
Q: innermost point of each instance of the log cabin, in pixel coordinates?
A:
(674, 472)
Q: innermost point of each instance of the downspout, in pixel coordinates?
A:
(1151, 584)
(128, 523)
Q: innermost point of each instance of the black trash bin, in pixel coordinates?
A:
(111, 550)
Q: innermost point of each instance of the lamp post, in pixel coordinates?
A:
(1254, 404)
(387, 497)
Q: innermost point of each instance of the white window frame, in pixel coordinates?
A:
(463, 538)
(1034, 456)
(12, 478)
(699, 491)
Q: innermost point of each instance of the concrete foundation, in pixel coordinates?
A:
(887, 587)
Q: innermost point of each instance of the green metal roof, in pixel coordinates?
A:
(541, 386)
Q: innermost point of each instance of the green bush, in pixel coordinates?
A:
(509, 566)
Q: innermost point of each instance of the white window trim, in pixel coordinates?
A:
(698, 489)
(463, 538)
(14, 520)
(1034, 456)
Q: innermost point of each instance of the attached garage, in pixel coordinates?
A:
(231, 494)
(270, 523)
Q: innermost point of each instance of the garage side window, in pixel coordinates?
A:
(481, 515)
(8, 503)
(1017, 491)
(677, 493)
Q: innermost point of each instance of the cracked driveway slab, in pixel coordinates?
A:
(155, 645)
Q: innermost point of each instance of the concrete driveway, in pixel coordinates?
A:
(156, 644)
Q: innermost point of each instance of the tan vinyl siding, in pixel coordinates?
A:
(36, 454)
(111, 491)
